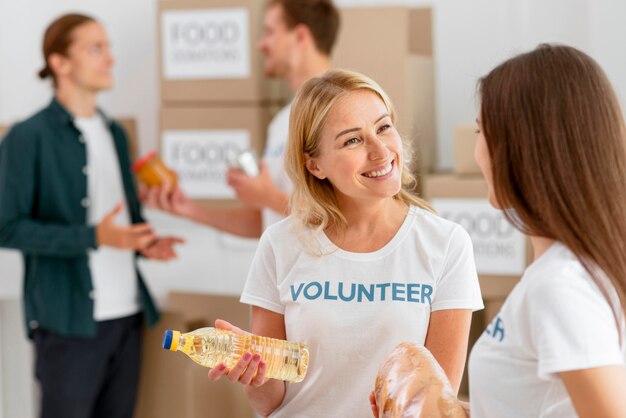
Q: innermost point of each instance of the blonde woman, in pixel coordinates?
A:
(360, 265)
(552, 147)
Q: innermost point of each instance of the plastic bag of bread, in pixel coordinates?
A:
(411, 383)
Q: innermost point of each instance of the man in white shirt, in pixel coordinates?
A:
(297, 42)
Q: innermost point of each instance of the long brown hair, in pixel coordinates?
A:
(313, 203)
(556, 137)
(58, 39)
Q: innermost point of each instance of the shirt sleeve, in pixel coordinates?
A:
(261, 288)
(457, 285)
(18, 194)
(573, 325)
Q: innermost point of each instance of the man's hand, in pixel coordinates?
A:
(167, 198)
(132, 237)
(162, 249)
(257, 192)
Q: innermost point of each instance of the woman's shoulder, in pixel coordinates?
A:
(558, 273)
(285, 233)
(430, 224)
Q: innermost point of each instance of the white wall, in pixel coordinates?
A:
(470, 38)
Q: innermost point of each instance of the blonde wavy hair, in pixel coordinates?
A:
(313, 203)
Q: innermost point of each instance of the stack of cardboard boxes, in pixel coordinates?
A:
(215, 102)
(171, 384)
(501, 252)
(398, 55)
(215, 99)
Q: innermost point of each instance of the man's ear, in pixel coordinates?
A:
(303, 33)
(314, 169)
(59, 64)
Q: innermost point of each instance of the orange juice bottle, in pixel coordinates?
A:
(151, 170)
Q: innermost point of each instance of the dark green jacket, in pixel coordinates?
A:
(43, 213)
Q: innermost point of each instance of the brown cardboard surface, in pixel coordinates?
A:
(253, 119)
(130, 127)
(472, 187)
(422, 117)
(421, 31)
(255, 88)
(464, 144)
(199, 307)
(398, 56)
(496, 287)
(492, 308)
(3, 131)
(171, 384)
(454, 186)
(160, 370)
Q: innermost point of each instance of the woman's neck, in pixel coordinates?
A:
(369, 227)
(540, 245)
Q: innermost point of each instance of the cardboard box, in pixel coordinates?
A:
(208, 53)
(501, 252)
(398, 55)
(171, 384)
(464, 143)
(130, 127)
(198, 142)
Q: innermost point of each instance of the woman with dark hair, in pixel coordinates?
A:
(551, 146)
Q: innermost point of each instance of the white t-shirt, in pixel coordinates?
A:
(113, 275)
(554, 320)
(352, 309)
(274, 157)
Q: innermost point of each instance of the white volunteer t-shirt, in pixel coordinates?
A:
(274, 157)
(554, 320)
(352, 309)
(113, 275)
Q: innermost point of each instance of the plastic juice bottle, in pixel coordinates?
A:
(208, 347)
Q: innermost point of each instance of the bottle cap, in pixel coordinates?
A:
(171, 339)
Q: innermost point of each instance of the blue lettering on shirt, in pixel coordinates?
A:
(312, 294)
(369, 295)
(496, 329)
(353, 292)
(343, 296)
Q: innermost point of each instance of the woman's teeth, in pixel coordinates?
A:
(379, 173)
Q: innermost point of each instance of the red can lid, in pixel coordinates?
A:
(143, 161)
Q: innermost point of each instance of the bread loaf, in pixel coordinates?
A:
(410, 383)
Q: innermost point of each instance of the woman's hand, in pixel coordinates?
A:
(249, 370)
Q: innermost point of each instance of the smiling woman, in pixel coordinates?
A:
(344, 145)
(361, 264)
